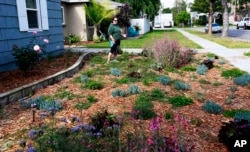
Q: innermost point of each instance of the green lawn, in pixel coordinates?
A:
(148, 39)
(227, 42)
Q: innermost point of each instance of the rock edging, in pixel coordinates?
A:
(23, 91)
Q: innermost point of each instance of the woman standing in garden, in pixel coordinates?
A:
(115, 34)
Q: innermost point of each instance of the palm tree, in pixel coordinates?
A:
(97, 11)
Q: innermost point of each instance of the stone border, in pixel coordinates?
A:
(23, 91)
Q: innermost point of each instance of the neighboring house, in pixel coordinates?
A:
(75, 20)
(20, 18)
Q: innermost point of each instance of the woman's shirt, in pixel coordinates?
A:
(115, 31)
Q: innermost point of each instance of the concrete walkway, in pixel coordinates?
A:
(234, 56)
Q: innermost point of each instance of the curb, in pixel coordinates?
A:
(26, 90)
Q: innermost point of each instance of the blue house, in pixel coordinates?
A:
(20, 19)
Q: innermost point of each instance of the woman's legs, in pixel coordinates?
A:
(113, 50)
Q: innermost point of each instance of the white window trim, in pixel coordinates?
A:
(63, 15)
(42, 15)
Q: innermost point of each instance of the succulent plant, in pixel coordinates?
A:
(41, 103)
(116, 72)
(133, 89)
(164, 80)
(179, 85)
(243, 115)
(84, 78)
(202, 69)
(242, 80)
(212, 107)
(118, 92)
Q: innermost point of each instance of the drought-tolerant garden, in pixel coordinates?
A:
(167, 98)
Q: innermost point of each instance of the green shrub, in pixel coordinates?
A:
(97, 59)
(242, 80)
(115, 72)
(217, 84)
(82, 105)
(89, 73)
(163, 80)
(168, 115)
(179, 101)
(232, 113)
(122, 80)
(93, 85)
(91, 99)
(144, 100)
(188, 68)
(118, 92)
(179, 85)
(202, 69)
(210, 55)
(212, 107)
(157, 94)
(247, 54)
(62, 94)
(143, 113)
(72, 38)
(203, 81)
(232, 73)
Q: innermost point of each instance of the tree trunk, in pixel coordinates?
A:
(95, 35)
(210, 19)
(225, 18)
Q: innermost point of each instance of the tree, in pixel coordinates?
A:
(139, 7)
(225, 18)
(182, 18)
(179, 7)
(202, 6)
(97, 12)
(166, 10)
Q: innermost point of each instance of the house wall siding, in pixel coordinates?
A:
(75, 20)
(10, 34)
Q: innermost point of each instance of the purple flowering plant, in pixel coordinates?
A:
(169, 52)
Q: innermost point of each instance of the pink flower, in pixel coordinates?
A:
(45, 40)
(150, 141)
(37, 48)
(35, 32)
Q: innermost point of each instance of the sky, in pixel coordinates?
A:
(170, 3)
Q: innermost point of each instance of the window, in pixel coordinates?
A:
(32, 15)
(63, 17)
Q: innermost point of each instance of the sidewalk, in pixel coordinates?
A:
(234, 56)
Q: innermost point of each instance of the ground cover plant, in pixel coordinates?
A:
(142, 108)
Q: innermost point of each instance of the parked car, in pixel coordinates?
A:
(244, 23)
(168, 24)
(157, 25)
(216, 28)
